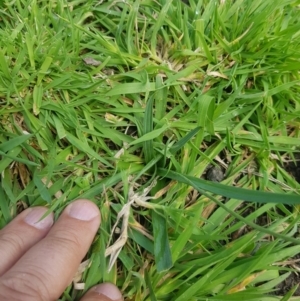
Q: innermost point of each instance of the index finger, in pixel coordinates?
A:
(48, 267)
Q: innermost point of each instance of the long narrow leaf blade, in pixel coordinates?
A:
(179, 144)
(162, 252)
(14, 142)
(232, 192)
(148, 128)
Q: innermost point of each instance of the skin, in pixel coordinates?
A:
(39, 258)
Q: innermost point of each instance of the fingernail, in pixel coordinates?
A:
(33, 218)
(108, 290)
(83, 210)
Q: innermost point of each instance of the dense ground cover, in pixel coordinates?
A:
(186, 102)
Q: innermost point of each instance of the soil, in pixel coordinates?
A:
(294, 169)
(215, 174)
(288, 284)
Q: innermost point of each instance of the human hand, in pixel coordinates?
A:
(38, 259)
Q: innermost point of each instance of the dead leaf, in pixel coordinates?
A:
(216, 74)
(82, 267)
(244, 283)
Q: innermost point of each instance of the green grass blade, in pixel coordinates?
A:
(42, 189)
(179, 144)
(86, 148)
(148, 128)
(131, 88)
(158, 23)
(4, 206)
(289, 295)
(4, 66)
(162, 252)
(14, 142)
(9, 157)
(150, 287)
(37, 99)
(232, 192)
(150, 136)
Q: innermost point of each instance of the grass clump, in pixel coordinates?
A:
(99, 99)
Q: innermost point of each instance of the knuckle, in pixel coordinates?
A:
(66, 240)
(24, 286)
(13, 240)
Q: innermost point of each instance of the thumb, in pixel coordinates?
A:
(103, 292)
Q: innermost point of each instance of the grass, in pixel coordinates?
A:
(98, 99)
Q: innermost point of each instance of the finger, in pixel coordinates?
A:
(21, 234)
(49, 266)
(103, 292)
